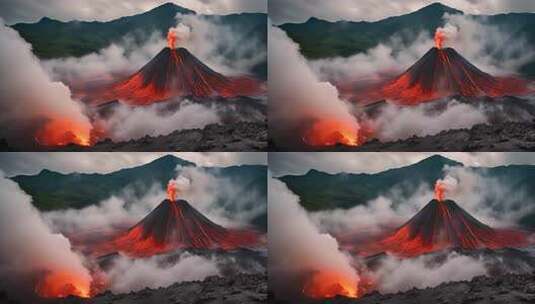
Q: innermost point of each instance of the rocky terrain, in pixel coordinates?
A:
(506, 136)
(240, 136)
(510, 289)
(240, 288)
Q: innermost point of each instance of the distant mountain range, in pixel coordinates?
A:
(323, 191)
(54, 191)
(56, 39)
(323, 39)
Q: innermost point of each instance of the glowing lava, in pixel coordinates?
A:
(63, 284)
(61, 132)
(171, 39)
(330, 132)
(329, 284)
(171, 190)
(440, 37)
(440, 191)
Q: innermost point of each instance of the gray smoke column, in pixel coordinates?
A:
(29, 100)
(28, 249)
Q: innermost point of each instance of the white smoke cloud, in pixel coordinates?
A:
(296, 246)
(397, 122)
(221, 199)
(181, 32)
(129, 122)
(28, 246)
(128, 274)
(27, 94)
(396, 274)
(295, 92)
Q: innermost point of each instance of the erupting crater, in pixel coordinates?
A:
(175, 72)
(175, 224)
(329, 284)
(441, 72)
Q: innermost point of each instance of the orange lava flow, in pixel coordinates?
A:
(61, 132)
(329, 284)
(440, 37)
(171, 190)
(330, 132)
(171, 39)
(63, 284)
(440, 191)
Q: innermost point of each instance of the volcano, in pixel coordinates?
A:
(440, 73)
(444, 224)
(177, 73)
(177, 225)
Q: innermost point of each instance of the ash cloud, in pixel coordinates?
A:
(296, 245)
(28, 97)
(29, 248)
(296, 94)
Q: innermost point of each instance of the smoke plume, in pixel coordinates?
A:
(296, 94)
(29, 249)
(296, 246)
(30, 99)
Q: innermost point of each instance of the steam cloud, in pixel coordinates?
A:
(29, 98)
(29, 248)
(296, 246)
(296, 95)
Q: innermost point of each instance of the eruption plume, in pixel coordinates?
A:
(171, 39)
(171, 190)
(440, 190)
(440, 37)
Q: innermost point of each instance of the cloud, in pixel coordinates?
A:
(296, 94)
(126, 275)
(296, 246)
(395, 275)
(29, 99)
(282, 11)
(29, 249)
(89, 10)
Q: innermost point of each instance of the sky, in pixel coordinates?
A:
(13, 11)
(372, 162)
(105, 162)
(282, 11)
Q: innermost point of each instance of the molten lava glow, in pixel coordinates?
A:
(330, 132)
(171, 190)
(440, 191)
(171, 39)
(61, 132)
(440, 37)
(63, 284)
(328, 284)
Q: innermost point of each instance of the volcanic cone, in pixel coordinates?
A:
(441, 72)
(444, 224)
(176, 225)
(177, 72)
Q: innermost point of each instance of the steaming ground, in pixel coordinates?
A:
(336, 229)
(179, 125)
(452, 124)
(69, 234)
